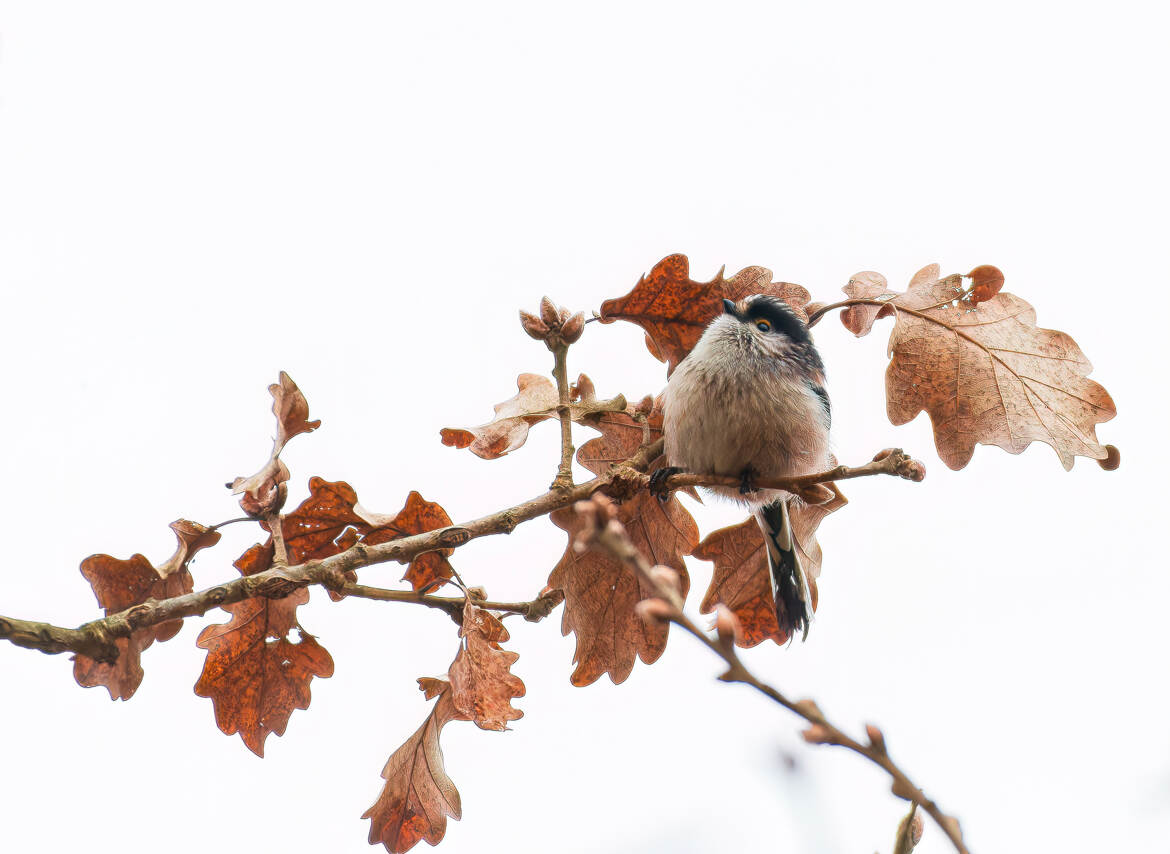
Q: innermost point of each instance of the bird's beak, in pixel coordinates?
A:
(729, 308)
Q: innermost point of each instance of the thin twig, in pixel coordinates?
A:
(564, 478)
(95, 638)
(607, 533)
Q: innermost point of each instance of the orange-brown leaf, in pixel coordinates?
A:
(674, 310)
(416, 517)
(482, 683)
(119, 584)
(740, 579)
(254, 675)
(600, 592)
(986, 374)
(418, 795)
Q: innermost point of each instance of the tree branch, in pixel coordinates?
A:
(604, 531)
(564, 478)
(95, 638)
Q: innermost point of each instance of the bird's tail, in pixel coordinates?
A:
(789, 584)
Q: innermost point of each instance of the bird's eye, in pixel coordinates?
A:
(763, 326)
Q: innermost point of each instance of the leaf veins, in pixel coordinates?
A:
(418, 795)
(674, 310)
(482, 683)
(600, 592)
(975, 361)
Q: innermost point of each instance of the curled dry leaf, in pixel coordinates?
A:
(986, 374)
(859, 319)
(418, 795)
(264, 492)
(119, 584)
(741, 580)
(674, 310)
(600, 592)
(482, 684)
(535, 401)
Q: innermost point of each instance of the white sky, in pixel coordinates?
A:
(196, 196)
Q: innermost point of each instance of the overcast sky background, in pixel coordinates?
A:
(194, 197)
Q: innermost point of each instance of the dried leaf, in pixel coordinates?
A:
(537, 400)
(600, 592)
(332, 520)
(263, 493)
(987, 375)
(416, 517)
(418, 795)
(859, 319)
(119, 584)
(740, 579)
(674, 310)
(253, 674)
(482, 684)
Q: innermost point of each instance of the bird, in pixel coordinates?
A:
(749, 402)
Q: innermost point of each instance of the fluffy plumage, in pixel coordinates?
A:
(749, 402)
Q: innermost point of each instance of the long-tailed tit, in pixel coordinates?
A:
(749, 401)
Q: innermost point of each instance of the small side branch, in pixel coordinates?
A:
(564, 478)
(605, 532)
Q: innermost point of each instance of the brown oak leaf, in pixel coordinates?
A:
(418, 795)
(119, 584)
(859, 319)
(600, 592)
(417, 516)
(674, 310)
(253, 674)
(740, 579)
(264, 492)
(986, 374)
(537, 400)
(482, 683)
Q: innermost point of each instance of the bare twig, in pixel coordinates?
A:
(564, 478)
(608, 534)
(622, 480)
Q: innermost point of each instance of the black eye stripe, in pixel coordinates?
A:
(779, 315)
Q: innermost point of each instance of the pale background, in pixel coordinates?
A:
(194, 196)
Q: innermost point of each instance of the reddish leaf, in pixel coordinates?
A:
(600, 593)
(674, 310)
(482, 684)
(253, 674)
(263, 493)
(418, 795)
(537, 400)
(987, 375)
(417, 517)
(119, 584)
(740, 578)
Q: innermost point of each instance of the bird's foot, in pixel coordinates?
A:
(747, 481)
(658, 478)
